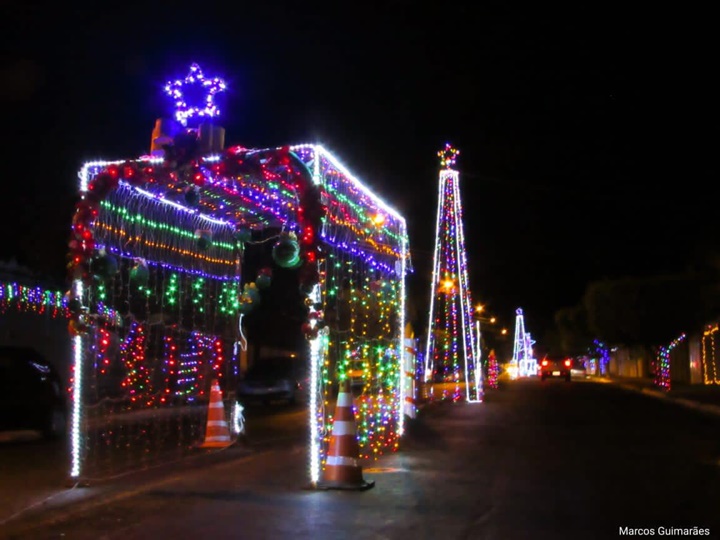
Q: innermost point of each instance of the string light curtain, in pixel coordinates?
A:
(362, 299)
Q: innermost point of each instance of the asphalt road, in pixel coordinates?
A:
(536, 460)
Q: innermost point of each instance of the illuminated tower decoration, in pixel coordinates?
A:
(451, 350)
(522, 360)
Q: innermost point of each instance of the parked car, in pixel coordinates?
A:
(277, 378)
(31, 393)
(555, 367)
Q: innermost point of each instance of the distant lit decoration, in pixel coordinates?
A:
(410, 368)
(24, 299)
(662, 366)
(523, 359)
(600, 355)
(448, 156)
(493, 370)
(194, 96)
(710, 358)
(18, 298)
(452, 362)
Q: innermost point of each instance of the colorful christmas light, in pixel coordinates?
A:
(662, 363)
(21, 298)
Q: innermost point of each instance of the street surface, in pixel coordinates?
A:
(537, 460)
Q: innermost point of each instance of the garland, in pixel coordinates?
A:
(183, 164)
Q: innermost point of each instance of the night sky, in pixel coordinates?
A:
(556, 114)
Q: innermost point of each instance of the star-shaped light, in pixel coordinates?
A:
(194, 95)
(447, 156)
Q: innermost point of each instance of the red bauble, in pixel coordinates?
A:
(113, 171)
(103, 184)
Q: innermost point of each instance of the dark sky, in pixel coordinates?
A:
(557, 115)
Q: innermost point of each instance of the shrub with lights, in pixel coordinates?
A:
(160, 240)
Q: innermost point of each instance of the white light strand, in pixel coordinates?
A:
(77, 405)
(316, 359)
(435, 276)
(401, 337)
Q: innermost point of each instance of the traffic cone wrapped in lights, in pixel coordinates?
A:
(217, 432)
(342, 468)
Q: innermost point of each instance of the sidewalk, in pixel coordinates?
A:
(47, 503)
(701, 397)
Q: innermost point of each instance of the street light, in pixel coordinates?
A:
(447, 285)
(490, 326)
(479, 308)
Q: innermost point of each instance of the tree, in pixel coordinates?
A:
(574, 336)
(649, 311)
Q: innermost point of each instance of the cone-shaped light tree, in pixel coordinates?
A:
(451, 350)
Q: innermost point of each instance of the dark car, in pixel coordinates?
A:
(555, 367)
(271, 379)
(31, 393)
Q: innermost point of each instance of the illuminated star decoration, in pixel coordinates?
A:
(447, 156)
(194, 95)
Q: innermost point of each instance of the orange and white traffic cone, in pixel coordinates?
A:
(342, 469)
(217, 432)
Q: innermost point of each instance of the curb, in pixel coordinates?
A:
(659, 394)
